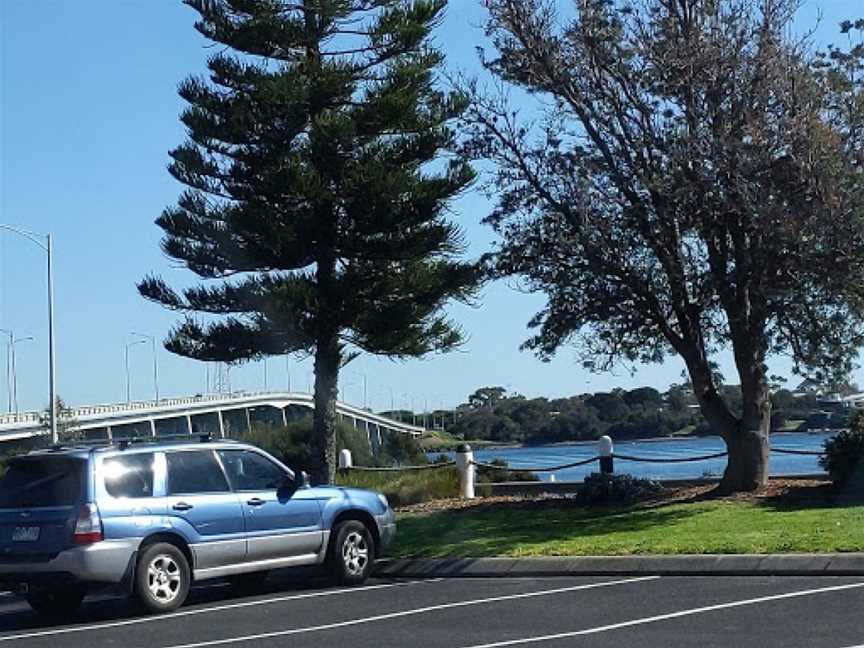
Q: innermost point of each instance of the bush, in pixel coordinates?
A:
(406, 487)
(492, 475)
(292, 444)
(600, 488)
(843, 452)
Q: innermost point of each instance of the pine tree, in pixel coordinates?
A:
(317, 191)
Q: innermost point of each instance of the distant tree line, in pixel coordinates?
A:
(491, 414)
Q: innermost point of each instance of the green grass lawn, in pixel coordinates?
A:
(550, 529)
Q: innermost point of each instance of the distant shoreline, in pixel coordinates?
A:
(559, 444)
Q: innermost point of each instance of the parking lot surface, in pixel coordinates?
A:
(787, 612)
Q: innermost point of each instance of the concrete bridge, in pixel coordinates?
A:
(220, 415)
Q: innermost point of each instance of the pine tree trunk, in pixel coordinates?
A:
(324, 419)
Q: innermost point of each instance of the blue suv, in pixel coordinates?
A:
(151, 518)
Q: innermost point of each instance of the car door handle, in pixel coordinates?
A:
(255, 501)
(182, 506)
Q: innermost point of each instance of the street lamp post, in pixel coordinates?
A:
(365, 391)
(152, 340)
(8, 368)
(128, 377)
(47, 246)
(15, 368)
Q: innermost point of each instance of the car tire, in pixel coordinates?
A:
(351, 556)
(55, 601)
(162, 577)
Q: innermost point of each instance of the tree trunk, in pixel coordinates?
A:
(749, 442)
(746, 438)
(324, 419)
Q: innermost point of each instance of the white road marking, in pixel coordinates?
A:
(205, 610)
(412, 612)
(666, 617)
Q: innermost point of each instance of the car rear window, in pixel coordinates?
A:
(129, 475)
(42, 481)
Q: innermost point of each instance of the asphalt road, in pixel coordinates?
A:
(667, 612)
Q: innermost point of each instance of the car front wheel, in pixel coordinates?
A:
(162, 578)
(352, 553)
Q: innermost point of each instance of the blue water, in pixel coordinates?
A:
(551, 455)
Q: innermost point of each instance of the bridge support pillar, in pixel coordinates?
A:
(152, 428)
(221, 424)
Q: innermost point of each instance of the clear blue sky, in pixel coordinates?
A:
(88, 113)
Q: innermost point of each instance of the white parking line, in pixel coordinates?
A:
(205, 610)
(665, 617)
(412, 612)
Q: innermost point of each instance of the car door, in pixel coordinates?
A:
(197, 492)
(280, 523)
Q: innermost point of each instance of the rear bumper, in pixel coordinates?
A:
(386, 530)
(102, 562)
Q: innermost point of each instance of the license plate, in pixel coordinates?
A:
(25, 534)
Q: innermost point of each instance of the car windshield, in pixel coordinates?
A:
(43, 481)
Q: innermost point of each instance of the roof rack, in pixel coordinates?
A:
(126, 442)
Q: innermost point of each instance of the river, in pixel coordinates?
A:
(552, 455)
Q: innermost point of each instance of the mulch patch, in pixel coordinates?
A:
(779, 493)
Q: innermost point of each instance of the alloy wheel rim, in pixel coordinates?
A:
(163, 578)
(355, 553)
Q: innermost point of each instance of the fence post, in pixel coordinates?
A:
(465, 465)
(604, 449)
(345, 459)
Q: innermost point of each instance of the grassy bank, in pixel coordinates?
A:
(556, 529)
(407, 487)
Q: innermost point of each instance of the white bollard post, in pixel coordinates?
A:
(552, 478)
(465, 465)
(605, 449)
(345, 459)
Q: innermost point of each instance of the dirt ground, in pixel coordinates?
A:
(778, 491)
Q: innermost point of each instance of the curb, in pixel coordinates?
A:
(845, 564)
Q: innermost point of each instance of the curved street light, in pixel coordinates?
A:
(152, 340)
(128, 377)
(47, 246)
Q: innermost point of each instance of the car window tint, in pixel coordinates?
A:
(129, 475)
(194, 472)
(251, 471)
(43, 481)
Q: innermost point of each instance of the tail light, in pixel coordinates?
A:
(88, 526)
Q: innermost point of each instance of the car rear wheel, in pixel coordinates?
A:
(162, 578)
(352, 553)
(55, 601)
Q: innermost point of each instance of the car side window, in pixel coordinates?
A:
(250, 471)
(194, 471)
(129, 475)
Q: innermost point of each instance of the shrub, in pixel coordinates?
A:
(292, 444)
(492, 475)
(406, 487)
(600, 488)
(843, 452)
